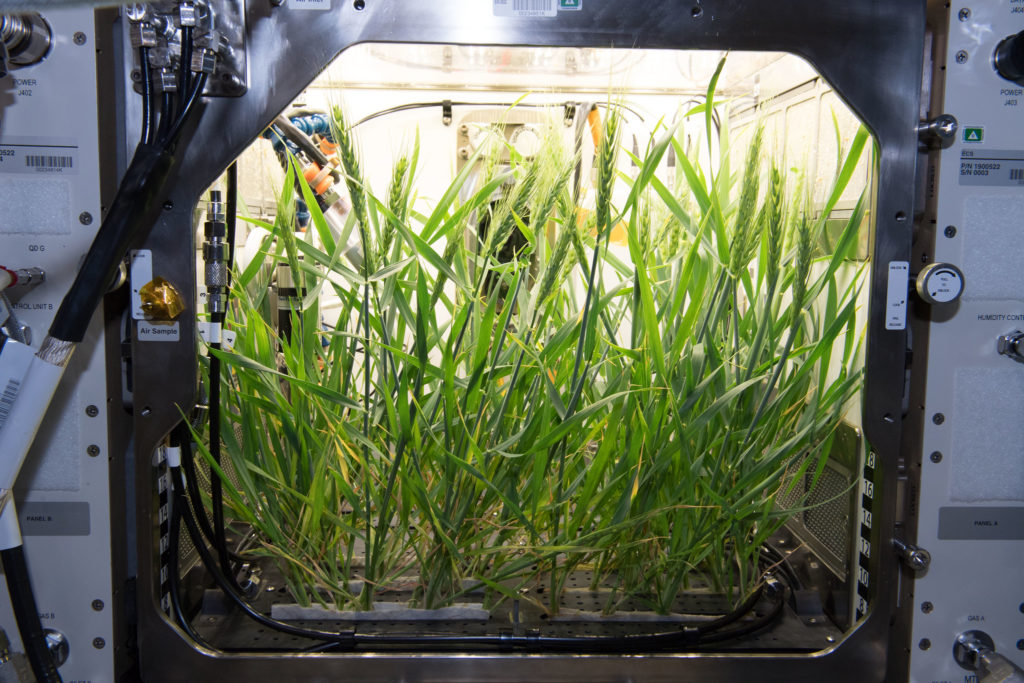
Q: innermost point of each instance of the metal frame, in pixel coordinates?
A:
(871, 52)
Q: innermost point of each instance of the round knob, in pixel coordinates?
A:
(940, 283)
(1009, 58)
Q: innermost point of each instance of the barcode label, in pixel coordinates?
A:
(1017, 174)
(55, 156)
(525, 8)
(7, 400)
(48, 161)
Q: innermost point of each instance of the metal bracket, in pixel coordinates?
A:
(446, 112)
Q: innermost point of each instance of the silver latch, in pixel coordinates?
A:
(915, 557)
(1010, 345)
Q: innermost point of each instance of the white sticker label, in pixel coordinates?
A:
(308, 4)
(14, 361)
(159, 332)
(141, 274)
(896, 297)
(525, 8)
(38, 155)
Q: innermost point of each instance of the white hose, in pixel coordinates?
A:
(5, 279)
(28, 400)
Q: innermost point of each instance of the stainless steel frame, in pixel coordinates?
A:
(871, 51)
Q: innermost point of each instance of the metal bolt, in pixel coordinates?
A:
(359, 4)
(97, 605)
(99, 643)
(92, 411)
(93, 450)
(924, 644)
(961, 57)
(1020, 644)
(697, 11)
(79, 38)
(85, 218)
(147, 411)
(964, 14)
(1021, 608)
(136, 75)
(949, 232)
(935, 457)
(938, 418)
(927, 607)
(168, 205)
(830, 639)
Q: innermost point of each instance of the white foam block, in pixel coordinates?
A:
(987, 462)
(991, 270)
(35, 206)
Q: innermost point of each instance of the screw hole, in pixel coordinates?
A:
(924, 644)
(888, 418)
(697, 11)
(359, 5)
(901, 216)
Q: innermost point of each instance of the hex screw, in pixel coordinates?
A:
(146, 411)
(168, 205)
(924, 644)
(950, 231)
(696, 12)
(136, 75)
(92, 411)
(99, 643)
(78, 38)
(961, 57)
(964, 14)
(93, 450)
(935, 457)
(938, 418)
(927, 607)
(97, 605)
(85, 218)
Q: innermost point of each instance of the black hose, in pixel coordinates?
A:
(231, 218)
(304, 142)
(23, 602)
(166, 114)
(148, 110)
(687, 636)
(193, 97)
(185, 66)
(135, 206)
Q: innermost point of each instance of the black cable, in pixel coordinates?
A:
(686, 636)
(23, 603)
(230, 219)
(148, 109)
(197, 89)
(174, 541)
(304, 142)
(185, 65)
(135, 206)
(166, 113)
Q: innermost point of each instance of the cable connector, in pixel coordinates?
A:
(143, 35)
(166, 80)
(187, 14)
(215, 255)
(204, 61)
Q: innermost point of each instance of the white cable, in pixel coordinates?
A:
(23, 418)
(5, 279)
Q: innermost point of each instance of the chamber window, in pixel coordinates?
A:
(562, 341)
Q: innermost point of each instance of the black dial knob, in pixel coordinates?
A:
(1009, 58)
